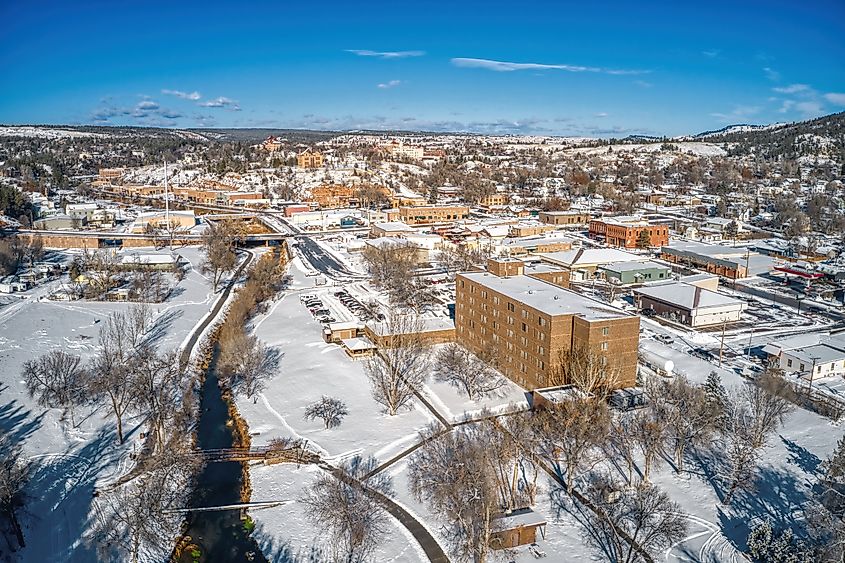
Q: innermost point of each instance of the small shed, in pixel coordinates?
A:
(627, 399)
(541, 398)
(339, 331)
(358, 347)
(515, 528)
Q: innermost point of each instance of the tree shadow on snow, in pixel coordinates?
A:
(277, 550)
(806, 460)
(16, 422)
(61, 493)
(161, 326)
(777, 494)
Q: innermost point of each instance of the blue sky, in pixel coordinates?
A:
(574, 68)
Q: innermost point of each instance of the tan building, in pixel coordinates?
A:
(529, 229)
(565, 218)
(333, 196)
(309, 158)
(428, 214)
(529, 322)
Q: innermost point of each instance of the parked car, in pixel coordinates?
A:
(648, 312)
(664, 338)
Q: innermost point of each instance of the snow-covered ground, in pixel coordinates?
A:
(71, 462)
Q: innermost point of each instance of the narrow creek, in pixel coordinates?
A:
(219, 536)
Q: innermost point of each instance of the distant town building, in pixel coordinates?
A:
(309, 158)
(689, 304)
(624, 231)
(272, 144)
(565, 218)
(428, 214)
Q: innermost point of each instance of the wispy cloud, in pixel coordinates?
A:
(505, 66)
(793, 89)
(600, 114)
(737, 114)
(771, 74)
(711, 54)
(786, 106)
(147, 105)
(194, 96)
(643, 84)
(221, 102)
(386, 54)
(809, 108)
(390, 84)
(835, 98)
(146, 112)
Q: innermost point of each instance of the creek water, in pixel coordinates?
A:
(219, 535)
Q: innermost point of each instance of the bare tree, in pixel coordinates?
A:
(688, 415)
(585, 369)
(461, 368)
(159, 386)
(753, 415)
(134, 522)
(57, 379)
(247, 362)
(350, 511)
(571, 432)
(629, 521)
(623, 440)
(15, 473)
(649, 431)
(329, 409)
(401, 364)
(453, 474)
(218, 245)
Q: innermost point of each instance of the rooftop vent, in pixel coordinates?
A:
(557, 297)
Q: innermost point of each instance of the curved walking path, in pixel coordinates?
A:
(185, 356)
(429, 545)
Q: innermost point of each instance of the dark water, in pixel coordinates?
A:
(220, 535)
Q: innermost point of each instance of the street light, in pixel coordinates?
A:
(799, 298)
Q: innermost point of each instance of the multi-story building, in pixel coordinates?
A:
(309, 158)
(400, 149)
(625, 231)
(531, 323)
(428, 214)
(565, 218)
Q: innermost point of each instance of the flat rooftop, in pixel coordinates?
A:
(683, 295)
(545, 297)
(634, 266)
(590, 256)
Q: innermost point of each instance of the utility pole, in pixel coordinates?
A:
(722, 343)
(167, 208)
(748, 355)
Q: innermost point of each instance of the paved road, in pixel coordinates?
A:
(324, 262)
(185, 357)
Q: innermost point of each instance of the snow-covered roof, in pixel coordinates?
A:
(519, 518)
(633, 266)
(393, 226)
(687, 296)
(590, 256)
(358, 344)
(545, 297)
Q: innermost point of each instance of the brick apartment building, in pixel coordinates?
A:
(309, 158)
(528, 321)
(625, 231)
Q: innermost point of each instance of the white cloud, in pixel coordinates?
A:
(386, 54)
(771, 74)
(809, 109)
(738, 113)
(221, 102)
(835, 98)
(786, 106)
(712, 54)
(391, 84)
(793, 89)
(601, 114)
(643, 84)
(184, 95)
(504, 66)
(146, 105)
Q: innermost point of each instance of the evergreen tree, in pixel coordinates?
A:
(716, 396)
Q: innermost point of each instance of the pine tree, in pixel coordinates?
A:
(716, 396)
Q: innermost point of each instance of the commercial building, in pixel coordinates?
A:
(725, 261)
(811, 355)
(635, 272)
(624, 231)
(531, 323)
(565, 218)
(179, 220)
(428, 214)
(689, 304)
(583, 263)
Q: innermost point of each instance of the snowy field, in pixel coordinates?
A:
(71, 462)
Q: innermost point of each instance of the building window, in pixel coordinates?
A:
(511, 307)
(605, 331)
(524, 327)
(789, 363)
(604, 345)
(541, 321)
(801, 367)
(495, 300)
